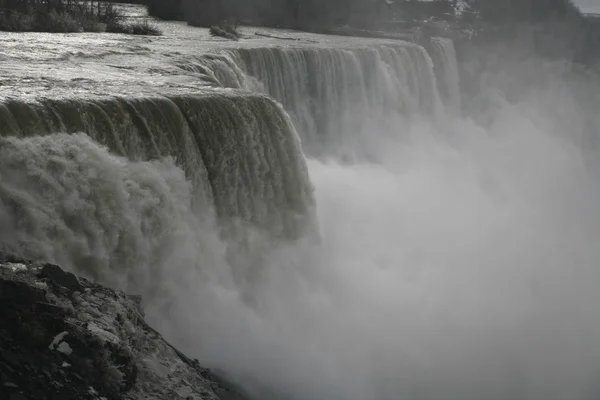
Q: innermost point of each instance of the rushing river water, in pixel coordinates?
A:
(319, 217)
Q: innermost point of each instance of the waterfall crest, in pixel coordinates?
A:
(337, 97)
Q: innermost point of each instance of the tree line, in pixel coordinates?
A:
(304, 14)
(523, 10)
(335, 12)
(558, 27)
(555, 28)
(307, 13)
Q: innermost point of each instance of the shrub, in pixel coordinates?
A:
(93, 26)
(51, 22)
(68, 16)
(135, 28)
(144, 28)
(55, 22)
(16, 22)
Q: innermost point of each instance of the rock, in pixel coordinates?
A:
(64, 348)
(9, 259)
(138, 301)
(59, 277)
(52, 350)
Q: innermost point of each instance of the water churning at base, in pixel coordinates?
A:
(233, 162)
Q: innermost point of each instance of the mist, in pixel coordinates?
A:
(588, 6)
(460, 265)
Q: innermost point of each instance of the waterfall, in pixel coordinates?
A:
(337, 97)
(446, 67)
(66, 199)
(108, 196)
(457, 257)
(140, 129)
(238, 148)
(239, 151)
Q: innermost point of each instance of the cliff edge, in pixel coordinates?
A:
(64, 337)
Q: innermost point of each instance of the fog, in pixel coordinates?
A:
(462, 265)
(588, 6)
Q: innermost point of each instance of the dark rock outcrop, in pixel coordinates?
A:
(63, 337)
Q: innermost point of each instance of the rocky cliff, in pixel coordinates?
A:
(63, 337)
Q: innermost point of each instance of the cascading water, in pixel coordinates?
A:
(457, 266)
(456, 260)
(65, 199)
(446, 68)
(337, 98)
(240, 154)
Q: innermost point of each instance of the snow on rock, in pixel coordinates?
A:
(64, 337)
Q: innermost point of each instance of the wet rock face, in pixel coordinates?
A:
(47, 351)
(43, 354)
(63, 337)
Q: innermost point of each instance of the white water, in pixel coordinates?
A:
(337, 97)
(444, 57)
(462, 264)
(463, 270)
